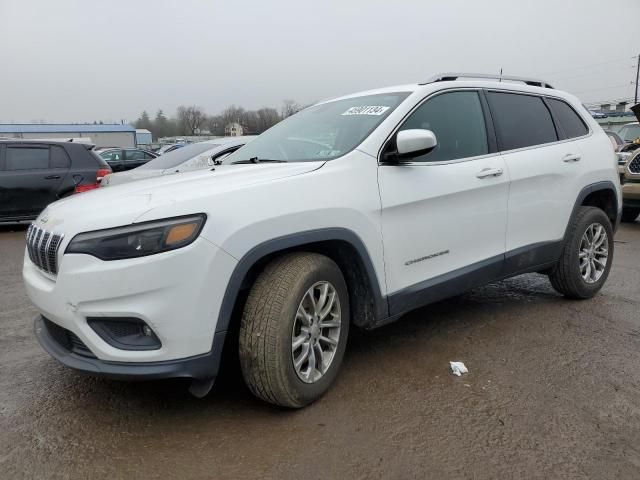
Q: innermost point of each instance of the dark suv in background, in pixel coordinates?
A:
(35, 173)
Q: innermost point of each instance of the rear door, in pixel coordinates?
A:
(28, 181)
(544, 167)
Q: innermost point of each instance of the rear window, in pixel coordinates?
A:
(178, 156)
(521, 120)
(570, 122)
(59, 158)
(27, 158)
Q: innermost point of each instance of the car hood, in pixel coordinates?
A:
(124, 204)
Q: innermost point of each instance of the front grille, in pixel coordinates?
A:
(67, 339)
(42, 247)
(634, 165)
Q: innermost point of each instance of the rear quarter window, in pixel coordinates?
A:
(59, 158)
(570, 122)
(521, 120)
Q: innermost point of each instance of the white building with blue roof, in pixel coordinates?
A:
(102, 135)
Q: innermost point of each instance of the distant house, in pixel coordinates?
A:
(143, 137)
(102, 135)
(233, 129)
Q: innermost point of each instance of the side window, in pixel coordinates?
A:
(570, 122)
(521, 120)
(59, 158)
(27, 158)
(112, 155)
(457, 120)
(133, 155)
(148, 156)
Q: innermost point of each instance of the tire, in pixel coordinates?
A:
(629, 214)
(271, 320)
(567, 276)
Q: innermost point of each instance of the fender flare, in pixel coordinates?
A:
(291, 241)
(588, 190)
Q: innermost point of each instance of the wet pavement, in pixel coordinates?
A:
(553, 392)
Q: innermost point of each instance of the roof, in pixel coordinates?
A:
(64, 128)
(142, 131)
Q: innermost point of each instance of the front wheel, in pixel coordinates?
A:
(294, 329)
(586, 256)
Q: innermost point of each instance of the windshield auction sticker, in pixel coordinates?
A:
(367, 110)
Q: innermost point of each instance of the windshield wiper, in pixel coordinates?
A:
(259, 160)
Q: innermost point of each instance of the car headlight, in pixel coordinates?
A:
(139, 240)
(623, 157)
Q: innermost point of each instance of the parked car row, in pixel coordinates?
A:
(194, 156)
(35, 173)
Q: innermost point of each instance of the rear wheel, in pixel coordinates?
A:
(629, 214)
(294, 329)
(586, 257)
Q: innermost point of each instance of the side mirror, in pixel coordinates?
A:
(415, 142)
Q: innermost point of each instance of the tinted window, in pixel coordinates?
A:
(148, 156)
(135, 155)
(457, 120)
(521, 120)
(59, 158)
(111, 155)
(21, 158)
(570, 123)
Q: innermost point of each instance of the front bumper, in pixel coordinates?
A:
(203, 366)
(178, 294)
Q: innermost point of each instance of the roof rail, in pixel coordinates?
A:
(447, 77)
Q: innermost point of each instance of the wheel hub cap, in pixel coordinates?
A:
(594, 253)
(316, 332)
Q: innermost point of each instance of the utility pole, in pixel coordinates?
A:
(637, 77)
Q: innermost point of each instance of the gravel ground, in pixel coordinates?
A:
(553, 392)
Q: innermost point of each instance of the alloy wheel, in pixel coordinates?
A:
(316, 332)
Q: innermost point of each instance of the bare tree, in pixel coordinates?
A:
(190, 118)
(267, 118)
(290, 107)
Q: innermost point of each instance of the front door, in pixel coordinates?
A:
(444, 213)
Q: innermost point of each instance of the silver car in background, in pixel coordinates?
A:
(196, 156)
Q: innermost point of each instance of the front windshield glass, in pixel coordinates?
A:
(177, 156)
(630, 132)
(322, 132)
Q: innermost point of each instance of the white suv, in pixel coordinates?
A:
(352, 212)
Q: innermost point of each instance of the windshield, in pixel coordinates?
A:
(321, 132)
(629, 133)
(178, 156)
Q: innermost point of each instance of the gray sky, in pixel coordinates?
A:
(74, 60)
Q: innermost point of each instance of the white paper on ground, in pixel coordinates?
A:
(458, 368)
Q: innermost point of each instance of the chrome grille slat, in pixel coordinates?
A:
(42, 248)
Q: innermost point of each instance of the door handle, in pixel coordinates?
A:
(571, 157)
(52, 177)
(489, 172)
